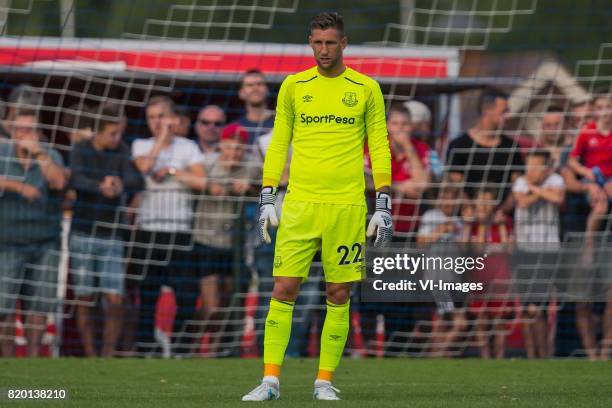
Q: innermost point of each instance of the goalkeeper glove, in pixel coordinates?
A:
(381, 222)
(267, 212)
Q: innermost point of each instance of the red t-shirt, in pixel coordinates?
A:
(406, 210)
(594, 149)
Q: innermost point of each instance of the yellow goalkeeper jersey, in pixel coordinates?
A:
(327, 121)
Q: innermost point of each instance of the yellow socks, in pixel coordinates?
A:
(333, 339)
(276, 336)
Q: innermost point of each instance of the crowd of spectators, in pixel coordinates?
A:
(175, 210)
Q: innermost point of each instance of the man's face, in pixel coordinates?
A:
(182, 128)
(209, 124)
(603, 110)
(24, 128)
(327, 46)
(155, 114)
(496, 112)
(253, 90)
(552, 128)
(110, 136)
(232, 151)
(398, 126)
(535, 169)
(581, 114)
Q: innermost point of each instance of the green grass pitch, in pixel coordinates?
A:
(364, 383)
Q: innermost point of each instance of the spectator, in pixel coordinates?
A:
(576, 209)
(173, 168)
(420, 116)
(31, 183)
(440, 228)
(593, 149)
(483, 155)
(102, 173)
(409, 175)
(552, 135)
(78, 121)
(253, 91)
(211, 119)
(581, 115)
(229, 178)
(183, 127)
(22, 97)
(442, 223)
(591, 159)
(489, 232)
(538, 195)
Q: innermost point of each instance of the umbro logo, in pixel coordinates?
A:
(334, 337)
(272, 323)
(307, 98)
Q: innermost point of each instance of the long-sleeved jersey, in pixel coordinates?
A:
(326, 120)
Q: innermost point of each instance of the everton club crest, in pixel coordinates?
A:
(350, 99)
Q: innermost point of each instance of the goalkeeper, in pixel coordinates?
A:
(325, 112)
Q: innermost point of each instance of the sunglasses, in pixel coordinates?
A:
(210, 123)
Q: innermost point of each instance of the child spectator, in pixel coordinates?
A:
(440, 228)
(489, 232)
(538, 194)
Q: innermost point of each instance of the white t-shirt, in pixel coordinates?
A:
(167, 206)
(539, 223)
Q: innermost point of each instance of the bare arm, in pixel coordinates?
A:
(572, 183)
(414, 187)
(194, 177)
(553, 195)
(145, 163)
(579, 169)
(56, 175)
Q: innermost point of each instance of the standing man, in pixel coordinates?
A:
(211, 120)
(484, 155)
(325, 112)
(258, 119)
(32, 179)
(102, 175)
(173, 168)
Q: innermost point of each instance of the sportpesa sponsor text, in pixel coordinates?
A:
(330, 118)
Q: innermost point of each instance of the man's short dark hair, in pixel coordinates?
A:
(107, 114)
(78, 117)
(26, 112)
(401, 109)
(555, 109)
(543, 153)
(326, 20)
(158, 99)
(488, 97)
(181, 110)
(252, 71)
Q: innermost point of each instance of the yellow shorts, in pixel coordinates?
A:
(338, 230)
